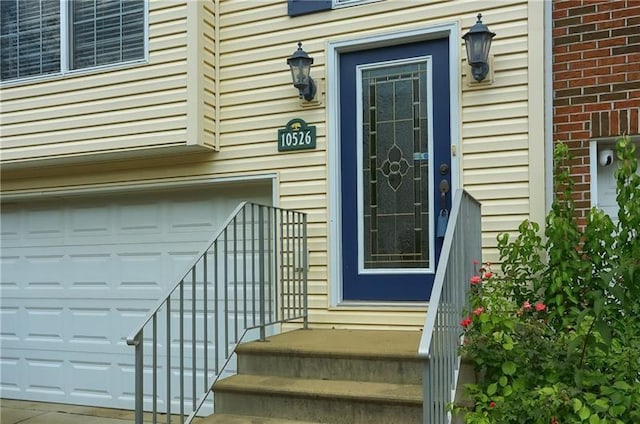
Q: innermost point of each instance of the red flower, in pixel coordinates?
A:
(526, 305)
(540, 306)
(475, 262)
(475, 280)
(465, 323)
(554, 421)
(492, 405)
(478, 310)
(488, 274)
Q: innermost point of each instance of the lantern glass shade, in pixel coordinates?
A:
(300, 64)
(478, 46)
(300, 69)
(478, 43)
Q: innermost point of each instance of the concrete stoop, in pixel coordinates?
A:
(325, 376)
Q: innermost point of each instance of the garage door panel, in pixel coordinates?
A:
(96, 268)
(44, 375)
(11, 372)
(43, 271)
(140, 219)
(90, 325)
(185, 218)
(9, 227)
(107, 380)
(45, 224)
(9, 323)
(73, 326)
(94, 221)
(45, 324)
(57, 376)
(90, 272)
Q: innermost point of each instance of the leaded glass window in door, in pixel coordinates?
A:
(395, 207)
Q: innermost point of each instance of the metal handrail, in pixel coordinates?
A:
(441, 335)
(252, 275)
(131, 339)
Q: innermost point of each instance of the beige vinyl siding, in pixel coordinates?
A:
(124, 107)
(256, 98)
(495, 118)
(496, 144)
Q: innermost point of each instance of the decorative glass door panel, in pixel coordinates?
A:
(394, 178)
(394, 135)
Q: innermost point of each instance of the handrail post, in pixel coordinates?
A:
(427, 395)
(139, 377)
(262, 305)
(305, 268)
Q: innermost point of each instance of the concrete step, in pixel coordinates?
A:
(246, 419)
(325, 354)
(324, 401)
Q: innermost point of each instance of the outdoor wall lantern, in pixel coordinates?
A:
(300, 64)
(478, 43)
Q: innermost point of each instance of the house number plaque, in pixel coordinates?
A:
(297, 135)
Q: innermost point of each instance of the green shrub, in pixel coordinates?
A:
(555, 337)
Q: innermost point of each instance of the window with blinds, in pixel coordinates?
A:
(99, 32)
(106, 31)
(29, 38)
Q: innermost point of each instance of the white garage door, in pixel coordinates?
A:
(78, 274)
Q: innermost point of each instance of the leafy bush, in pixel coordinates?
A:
(555, 338)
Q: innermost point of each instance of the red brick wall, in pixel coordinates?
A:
(596, 78)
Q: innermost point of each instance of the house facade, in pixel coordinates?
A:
(125, 149)
(596, 86)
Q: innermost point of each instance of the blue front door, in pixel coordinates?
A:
(395, 153)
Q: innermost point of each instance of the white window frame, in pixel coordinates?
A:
(346, 3)
(65, 47)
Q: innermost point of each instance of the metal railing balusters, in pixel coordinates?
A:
(269, 265)
(440, 340)
(168, 400)
(225, 264)
(205, 319)
(280, 249)
(182, 351)
(288, 278)
(301, 260)
(294, 259)
(235, 279)
(261, 272)
(305, 273)
(277, 254)
(276, 271)
(193, 338)
(253, 263)
(216, 300)
(244, 267)
(154, 371)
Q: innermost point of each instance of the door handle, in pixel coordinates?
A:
(444, 189)
(443, 216)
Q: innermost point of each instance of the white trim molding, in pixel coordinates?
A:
(149, 185)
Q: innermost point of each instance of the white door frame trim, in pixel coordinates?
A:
(334, 49)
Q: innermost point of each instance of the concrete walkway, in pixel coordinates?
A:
(28, 412)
